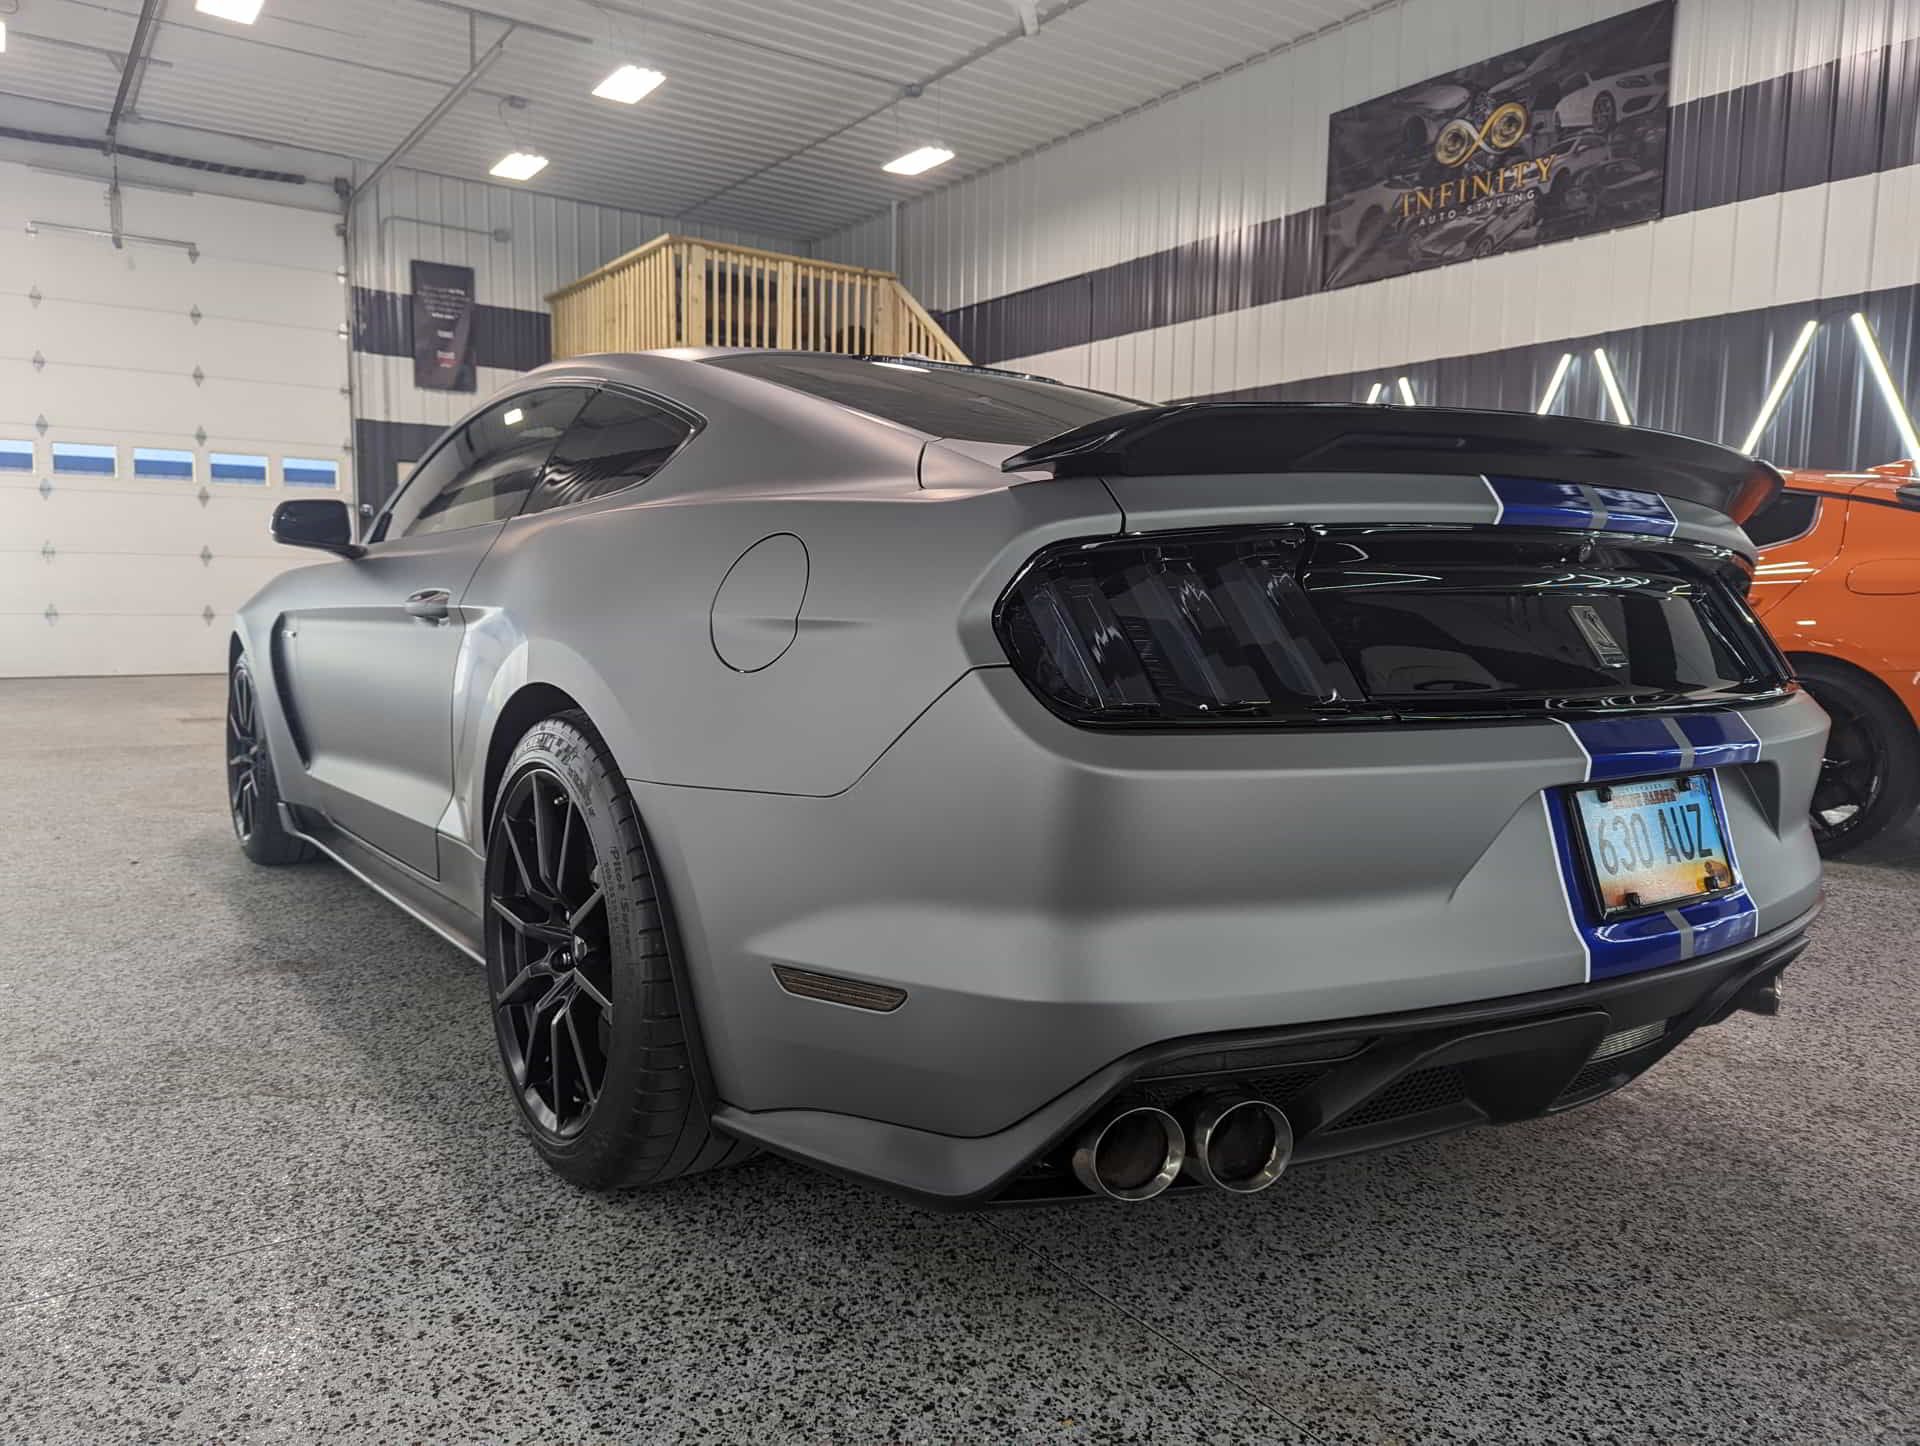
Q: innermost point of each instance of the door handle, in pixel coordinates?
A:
(429, 603)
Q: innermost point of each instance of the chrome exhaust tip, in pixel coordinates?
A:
(1237, 1143)
(1130, 1154)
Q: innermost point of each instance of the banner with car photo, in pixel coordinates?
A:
(1560, 138)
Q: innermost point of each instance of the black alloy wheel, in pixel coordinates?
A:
(1604, 112)
(253, 794)
(595, 1035)
(552, 976)
(1870, 770)
(245, 753)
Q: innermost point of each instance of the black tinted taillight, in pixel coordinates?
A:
(1176, 628)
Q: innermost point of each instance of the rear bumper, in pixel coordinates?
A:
(1048, 899)
(1347, 1086)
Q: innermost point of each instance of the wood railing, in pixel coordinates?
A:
(677, 291)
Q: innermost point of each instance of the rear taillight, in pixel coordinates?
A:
(1174, 628)
(1370, 623)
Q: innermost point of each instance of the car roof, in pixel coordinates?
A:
(1884, 481)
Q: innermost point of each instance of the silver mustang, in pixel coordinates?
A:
(998, 790)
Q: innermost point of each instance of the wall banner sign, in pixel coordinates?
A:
(443, 327)
(1560, 138)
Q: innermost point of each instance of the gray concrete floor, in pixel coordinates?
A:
(257, 1182)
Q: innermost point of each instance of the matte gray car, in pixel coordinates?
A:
(999, 791)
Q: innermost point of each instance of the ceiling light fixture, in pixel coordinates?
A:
(1552, 392)
(1406, 392)
(3, 37)
(1612, 384)
(916, 161)
(1373, 392)
(240, 12)
(630, 84)
(518, 166)
(1780, 383)
(1877, 364)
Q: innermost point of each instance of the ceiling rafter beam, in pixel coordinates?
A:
(433, 117)
(978, 53)
(135, 67)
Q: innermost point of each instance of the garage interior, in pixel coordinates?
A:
(259, 1177)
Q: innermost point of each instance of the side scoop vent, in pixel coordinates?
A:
(835, 989)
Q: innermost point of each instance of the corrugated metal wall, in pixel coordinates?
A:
(413, 216)
(1172, 252)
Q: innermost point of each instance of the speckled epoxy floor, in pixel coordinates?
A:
(257, 1183)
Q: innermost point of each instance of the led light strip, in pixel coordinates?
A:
(1780, 383)
(1877, 364)
(1613, 386)
(1552, 392)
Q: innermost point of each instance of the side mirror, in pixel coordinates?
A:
(320, 522)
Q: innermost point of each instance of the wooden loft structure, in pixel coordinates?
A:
(678, 291)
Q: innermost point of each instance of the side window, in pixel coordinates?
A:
(618, 442)
(483, 472)
(1788, 516)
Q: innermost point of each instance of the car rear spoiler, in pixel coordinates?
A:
(1215, 438)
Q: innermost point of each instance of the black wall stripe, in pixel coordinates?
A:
(502, 336)
(1848, 117)
(378, 450)
(1705, 377)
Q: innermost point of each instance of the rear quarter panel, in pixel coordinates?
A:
(1857, 593)
(613, 604)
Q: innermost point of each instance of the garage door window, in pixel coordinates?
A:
(237, 467)
(163, 463)
(16, 456)
(85, 458)
(309, 472)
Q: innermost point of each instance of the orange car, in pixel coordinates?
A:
(1839, 587)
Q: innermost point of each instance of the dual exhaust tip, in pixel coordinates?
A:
(1232, 1142)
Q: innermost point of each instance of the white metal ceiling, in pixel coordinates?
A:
(776, 114)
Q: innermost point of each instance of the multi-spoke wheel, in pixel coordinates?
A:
(585, 1006)
(253, 796)
(1870, 772)
(552, 975)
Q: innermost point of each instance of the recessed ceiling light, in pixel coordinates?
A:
(518, 166)
(3, 37)
(629, 84)
(914, 162)
(241, 12)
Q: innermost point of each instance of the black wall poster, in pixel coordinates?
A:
(443, 327)
(1560, 138)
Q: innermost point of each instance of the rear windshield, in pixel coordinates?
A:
(943, 401)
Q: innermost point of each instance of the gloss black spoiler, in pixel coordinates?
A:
(1217, 438)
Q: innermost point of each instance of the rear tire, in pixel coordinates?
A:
(1870, 774)
(253, 793)
(585, 1008)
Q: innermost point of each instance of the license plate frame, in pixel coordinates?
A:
(1644, 795)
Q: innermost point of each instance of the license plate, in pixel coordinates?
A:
(1653, 843)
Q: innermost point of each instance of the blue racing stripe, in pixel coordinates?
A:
(1537, 502)
(1530, 502)
(1629, 511)
(1719, 739)
(1626, 747)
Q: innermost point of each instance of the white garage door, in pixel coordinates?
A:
(154, 406)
